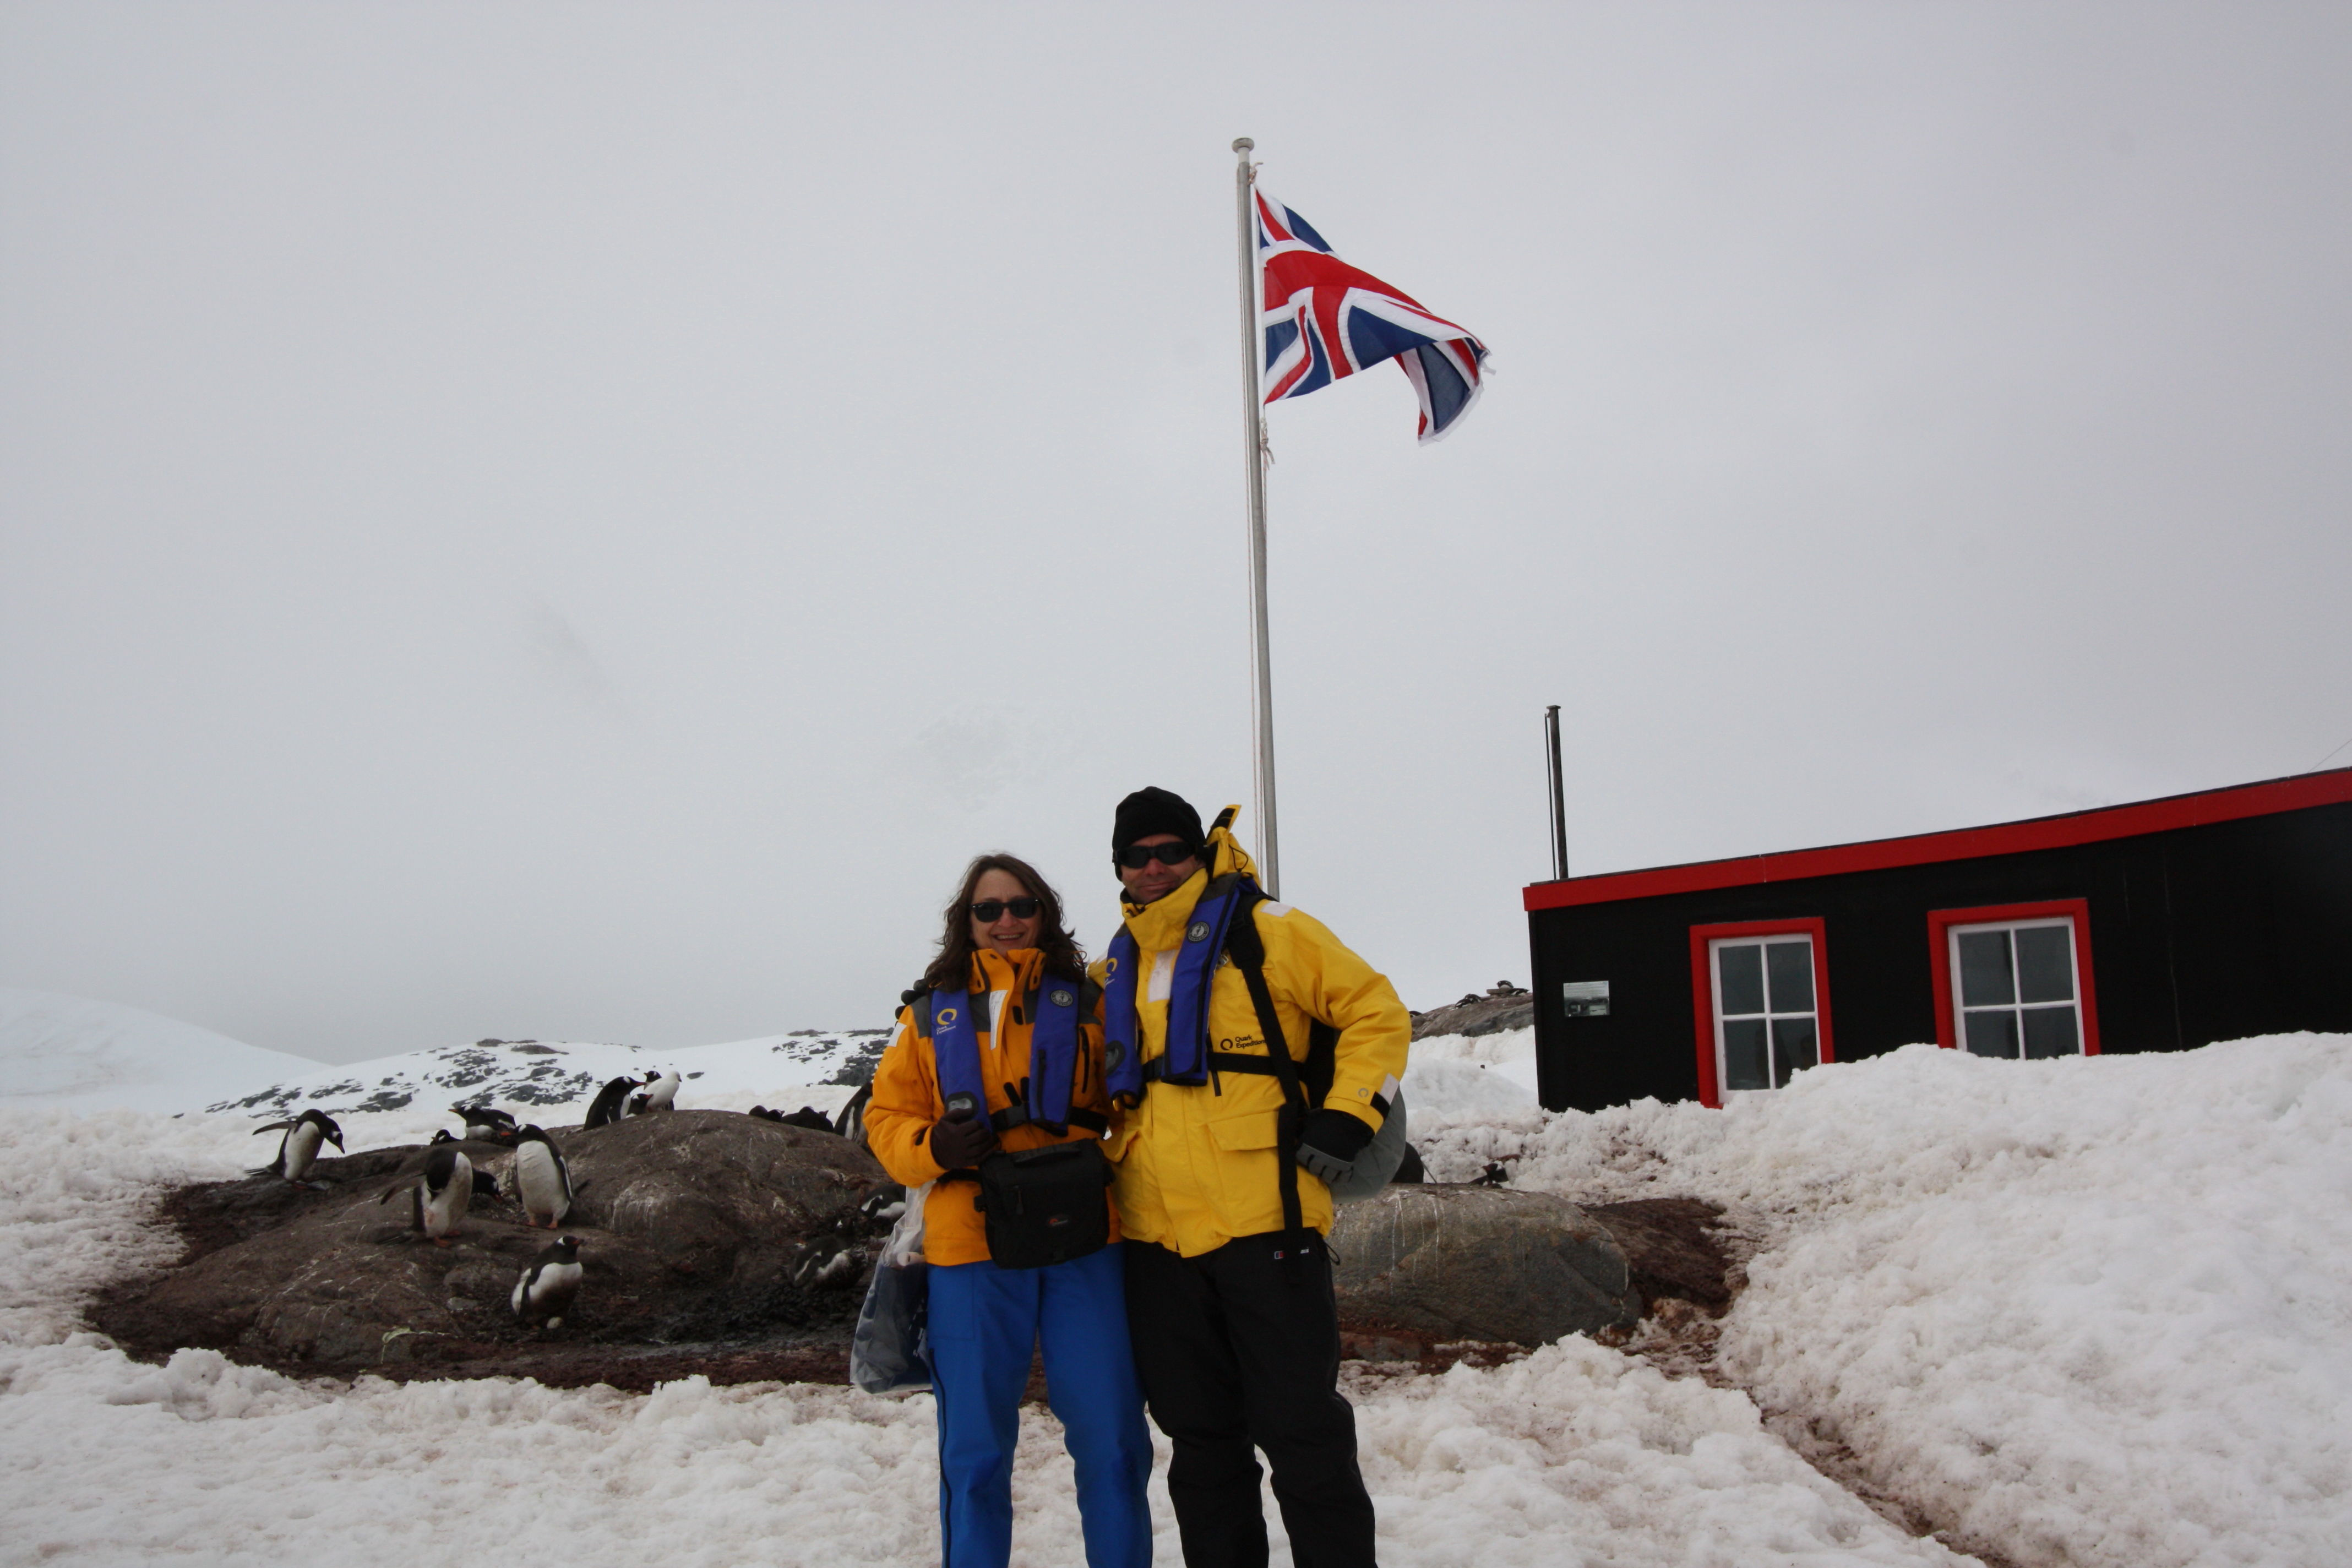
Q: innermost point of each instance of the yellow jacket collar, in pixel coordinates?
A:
(1160, 925)
(1018, 970)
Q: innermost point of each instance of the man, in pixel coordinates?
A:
(1221, 1163)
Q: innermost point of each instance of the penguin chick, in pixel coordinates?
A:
(442, 1192)
(810, 1116)
(298, 1150)
(485, 1122)
(542, 1180)
(610, 1102)
(545, 1290)
(661, 1089)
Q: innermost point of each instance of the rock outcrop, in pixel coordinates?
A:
(705, 1227)
(1422, 1265)
(1505, 1007)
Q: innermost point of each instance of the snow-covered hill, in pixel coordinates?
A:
(77, 1055)
(551, 1082)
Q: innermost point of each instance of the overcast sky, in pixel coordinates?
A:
(576, 520)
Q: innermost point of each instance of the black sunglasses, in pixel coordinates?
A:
(987, 911)
(1136, 857)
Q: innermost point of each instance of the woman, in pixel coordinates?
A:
(1000, 1052)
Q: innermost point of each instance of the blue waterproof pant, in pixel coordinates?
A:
(984, 1321)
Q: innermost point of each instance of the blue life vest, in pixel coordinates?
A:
(1186, 1059)
(1055, 1057)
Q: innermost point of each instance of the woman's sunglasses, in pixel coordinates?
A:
(988, 912)
(1136, 857)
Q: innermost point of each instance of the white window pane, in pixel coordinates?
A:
(1789, 965)
(1743, 1053)
(1984, 970)
(1741, 972)
(1992, 1034)
(2045, 964)
(2050, 1031)
(1795, 1047)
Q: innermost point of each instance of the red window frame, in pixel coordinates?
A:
(1702, 939)
(1939, 951)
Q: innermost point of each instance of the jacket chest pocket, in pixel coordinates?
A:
(1251, 1131)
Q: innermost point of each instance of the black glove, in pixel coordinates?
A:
(1329, 1142)
(958, 1142)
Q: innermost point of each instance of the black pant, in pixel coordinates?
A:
(1238, 1349)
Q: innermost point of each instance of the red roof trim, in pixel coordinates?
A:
(2300, 792)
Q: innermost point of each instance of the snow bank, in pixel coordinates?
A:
(2094, 1310)
(1454, 1078)
(72, 1053)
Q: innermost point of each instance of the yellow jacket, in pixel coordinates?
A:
(907, 1100)
(1196, 1167)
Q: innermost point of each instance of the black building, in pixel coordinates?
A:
(2158, 926)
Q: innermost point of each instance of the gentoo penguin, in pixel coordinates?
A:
(545, 1290)
(542, 1180)
(485, 1122)
(610, 1104)
(441, 1193)
(851, 1123)
(810, 1116)
(661, 1089)
(299, 1148)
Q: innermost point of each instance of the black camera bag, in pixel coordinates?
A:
(1045, 1206)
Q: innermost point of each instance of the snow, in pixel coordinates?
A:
(2090, 1311)
(64, 1051)
(1454, 1078)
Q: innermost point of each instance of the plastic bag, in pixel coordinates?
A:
(891, 1351)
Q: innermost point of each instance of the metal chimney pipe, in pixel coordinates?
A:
(1558, 796)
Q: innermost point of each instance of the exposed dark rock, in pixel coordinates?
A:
(1504, 1007)
(1424, 1264)
(726, 1238)
(1671, 1250)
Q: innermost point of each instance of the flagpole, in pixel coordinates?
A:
(1269, 856)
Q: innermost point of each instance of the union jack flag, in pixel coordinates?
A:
(1324, 320)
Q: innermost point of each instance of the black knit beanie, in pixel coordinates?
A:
(1150, 811)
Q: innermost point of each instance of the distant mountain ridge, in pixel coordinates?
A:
(548, 1076)
(73, 1054)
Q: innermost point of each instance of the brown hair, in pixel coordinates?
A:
(952, 970)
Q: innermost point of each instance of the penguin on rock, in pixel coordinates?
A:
(298, 1150)
(485, 1122)
(441, 1193)
(542, 1180)
(612, 1103)
(661, 1089)
(544, 1292)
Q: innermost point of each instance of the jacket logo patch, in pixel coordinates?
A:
(947, 1017)
(1197, 931)
(1061, 998)
(1244, 1043)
